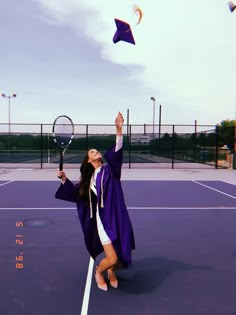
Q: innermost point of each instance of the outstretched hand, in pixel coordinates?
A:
(61, 175)
(119, 121)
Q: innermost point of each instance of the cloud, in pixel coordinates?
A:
(184, 49)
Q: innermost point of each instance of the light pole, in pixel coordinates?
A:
(9, 117)
(153, 116)
(9, 109)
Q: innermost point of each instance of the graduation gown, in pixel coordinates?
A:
(112, 210)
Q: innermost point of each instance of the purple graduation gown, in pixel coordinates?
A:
(114, 214)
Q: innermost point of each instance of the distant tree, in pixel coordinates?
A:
(226, 133)
(211, 139)
(202, 139)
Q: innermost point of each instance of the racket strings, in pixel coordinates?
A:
(63, 131)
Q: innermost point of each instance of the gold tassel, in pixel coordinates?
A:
(90, 202)
(102, 201)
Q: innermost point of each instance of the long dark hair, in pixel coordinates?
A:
(86, 170)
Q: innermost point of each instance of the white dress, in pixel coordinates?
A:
(104, 238)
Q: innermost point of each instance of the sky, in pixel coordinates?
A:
(59, 58)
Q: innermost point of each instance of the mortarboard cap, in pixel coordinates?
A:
(232, 6)
(123, 32)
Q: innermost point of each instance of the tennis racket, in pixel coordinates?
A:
(63, 133)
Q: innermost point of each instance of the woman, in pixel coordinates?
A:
(102, 211)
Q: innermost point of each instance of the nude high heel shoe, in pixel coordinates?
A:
(113, 282)
(103, 286)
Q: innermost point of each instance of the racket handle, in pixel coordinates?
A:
(61, 166)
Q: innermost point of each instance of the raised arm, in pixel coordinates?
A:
(119, 137)
(114, 156)
(66, 190)
(119, 124)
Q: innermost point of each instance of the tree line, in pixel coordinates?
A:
(223, 134)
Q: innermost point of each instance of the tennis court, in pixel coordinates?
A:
(184, 262)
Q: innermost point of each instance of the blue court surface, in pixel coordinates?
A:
(184, 262)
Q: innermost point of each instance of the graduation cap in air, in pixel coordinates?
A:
(123, 32)
(232, 6)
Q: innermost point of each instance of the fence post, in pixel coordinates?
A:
(216, 150)
(127, 123)
(234, 145)
(173, 147)
(129, 146)
(86, 138)
(41, 146)
(49, 149)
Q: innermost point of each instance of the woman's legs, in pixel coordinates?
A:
(108, 263)
(110, 259)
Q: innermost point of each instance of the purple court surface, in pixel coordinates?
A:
(184, 262)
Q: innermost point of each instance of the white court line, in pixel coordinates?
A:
(28, 208)
(180, 208)
(85, 303)
(24, 169)
(7, 182)
(129, 208)
(219, 191)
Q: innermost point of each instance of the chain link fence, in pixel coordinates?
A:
(166, 146)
